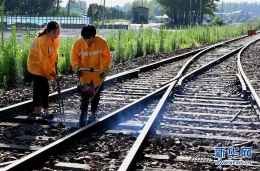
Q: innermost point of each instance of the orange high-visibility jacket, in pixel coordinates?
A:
(96, 56)
(43, 56)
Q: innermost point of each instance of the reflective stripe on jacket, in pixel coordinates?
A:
(43, 56)
(96, 56)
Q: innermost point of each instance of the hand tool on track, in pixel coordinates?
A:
(87, 93)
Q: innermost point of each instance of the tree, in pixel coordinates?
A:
(114, 13)
(70, 2)
(57, 11)
(78, 5)
(179, 10)
(217, 21)
(94, 12)
(29, 7)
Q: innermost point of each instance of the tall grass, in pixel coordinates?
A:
(126, 44)
(64, 64)
(149, 41)
(23, 53)
(11, 69)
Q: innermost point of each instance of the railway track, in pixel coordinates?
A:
(22, 133)
(135, 93)
(250, 69)
(207, 113)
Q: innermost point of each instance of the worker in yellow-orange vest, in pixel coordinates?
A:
(42, 62)
(91, 51)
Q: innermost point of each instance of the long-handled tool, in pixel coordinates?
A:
(88, 93)
(60, 99)
(60, 102)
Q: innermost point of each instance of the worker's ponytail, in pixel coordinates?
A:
(42, 32)
(52, 25)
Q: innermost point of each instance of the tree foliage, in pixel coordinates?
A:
(179, 10)
(30, 7)
(95, 12)
(39, 7)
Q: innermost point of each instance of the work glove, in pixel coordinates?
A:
(78, 72)
(58, 77)
(104, 72)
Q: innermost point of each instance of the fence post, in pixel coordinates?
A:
(34, 22)
(16, 20)
(6, 24)
(71, 25)
(30, 21)
(21, 22)
(11, 20)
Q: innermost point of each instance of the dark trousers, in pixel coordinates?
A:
(40, 91)
(94, 102)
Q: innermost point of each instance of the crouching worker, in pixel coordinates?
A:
(90, 51)
(41, 63)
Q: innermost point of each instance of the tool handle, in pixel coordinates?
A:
(89, 69)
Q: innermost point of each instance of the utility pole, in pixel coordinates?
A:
(103, 15)
(221, 10)
(200, 12)
(190, 13)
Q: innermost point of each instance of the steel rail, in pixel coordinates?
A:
(220, 59)
(130, 160)
(132, 156)
(26, 106)
(32, 160)
(249, 85)
(38, 157)
(244, 89)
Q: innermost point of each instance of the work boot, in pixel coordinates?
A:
(92, 118)
(47, 114)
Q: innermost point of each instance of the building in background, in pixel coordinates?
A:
(240, 15)
(140, 15)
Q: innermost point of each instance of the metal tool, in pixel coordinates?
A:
(60, 102)
(60, 99)
(88, 93)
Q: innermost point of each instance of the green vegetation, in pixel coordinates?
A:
(64, 65)
(179, 11)
(127, 44)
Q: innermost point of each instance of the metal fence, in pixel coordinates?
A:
(36, 22)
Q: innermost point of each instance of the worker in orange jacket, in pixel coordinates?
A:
(91, 51)
(42, 62)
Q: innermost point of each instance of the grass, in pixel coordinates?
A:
(127, 44)
(64, 66)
